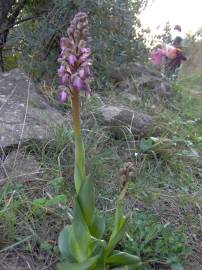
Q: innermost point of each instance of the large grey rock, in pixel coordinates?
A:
(121, 119)
(24, 113)
(134, 77)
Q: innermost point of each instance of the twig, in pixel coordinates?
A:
(25, 19)
(16, 244)
(12, 92)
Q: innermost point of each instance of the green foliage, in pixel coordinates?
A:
(39, 39)
(41, 204)
(146, 144)
(45, 246)
(155, 243)
(81, 243)
(8, 216)
(57, 185)
(120, 38)
(166, 36)
(11, 61)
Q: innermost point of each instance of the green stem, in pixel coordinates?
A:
(79, 168)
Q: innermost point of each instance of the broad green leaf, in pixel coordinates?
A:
(146, 144)
(129, 267)
(64, 243)
(101, 260)
(98, 227)
(118, 218)
(137, 266)
(78, 179)
(122, 258)
(133, 267)
(98, 248)
(59, 199)
(116, 236)
(86, 199)
(79, 168)
(82, 237)
(97, 245)
(118, 229)
(88, 264)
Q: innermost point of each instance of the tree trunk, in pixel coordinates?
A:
(9, 11)
(3, 37)
(1, 60)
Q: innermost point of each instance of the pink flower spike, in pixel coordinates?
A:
(63, 96)
(72, 59)
(74, 70)
(77, 83)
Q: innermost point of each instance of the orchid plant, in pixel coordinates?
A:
(81, 244)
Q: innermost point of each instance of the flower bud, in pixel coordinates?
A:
(77, 83)
(65, 78)
(63, 96)
(72, 59)
(61, 71)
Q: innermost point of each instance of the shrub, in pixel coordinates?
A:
(115, 27)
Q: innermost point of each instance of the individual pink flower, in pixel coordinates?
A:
(72, 59)
(61, 71)
(64, 43)
(85, 50)
(63, 96)
(84, 57)
(82, 73)
(65, 78)
(77, 83)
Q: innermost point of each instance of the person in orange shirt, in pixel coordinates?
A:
(174, 62)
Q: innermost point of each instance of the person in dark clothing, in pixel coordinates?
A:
(174, 64)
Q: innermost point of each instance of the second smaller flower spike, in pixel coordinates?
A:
(74, 71)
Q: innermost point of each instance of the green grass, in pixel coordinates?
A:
(164, 201)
